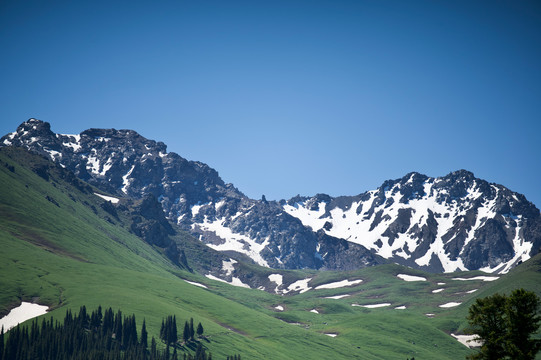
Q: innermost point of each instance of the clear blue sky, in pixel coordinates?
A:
(288, 97)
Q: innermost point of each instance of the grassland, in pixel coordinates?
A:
(59, 247)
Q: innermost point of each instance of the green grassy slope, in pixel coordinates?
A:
(61, 248)
(58, 249)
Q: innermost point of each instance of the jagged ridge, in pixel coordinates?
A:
(441, 224)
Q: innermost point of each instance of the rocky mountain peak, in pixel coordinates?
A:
(449, 223)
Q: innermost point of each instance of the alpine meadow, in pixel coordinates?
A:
(270, 180)
(71, 244)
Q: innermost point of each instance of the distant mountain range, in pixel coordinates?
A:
(455, 222)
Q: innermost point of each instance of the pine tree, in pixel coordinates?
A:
(153, 350)
(118, 326)
(174, 333)
(523, 321)
(186, 334)
(108, 321)
(506, 325)
(2, 343)
(192, 332)
(144, 336)
(199, 330)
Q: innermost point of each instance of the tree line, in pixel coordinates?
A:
(169, 331)
(95, 336)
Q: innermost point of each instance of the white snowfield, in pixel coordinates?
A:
(314, 311)
(279, 308)
(339, 284)
(406, 277)
(232, 241)
(403, 307)
(299, 285)
(234, 281)
(337, 297)
(470, 341)
(484, 278)
(196, 284)
(228, 267)
(21, 313)
(354, 223)
(330, 334)
(278, 280)
(437, 291)
(373, 306)
(450, 304)
(114, 200)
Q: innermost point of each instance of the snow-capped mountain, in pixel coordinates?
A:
(192, 194)
(456, 222)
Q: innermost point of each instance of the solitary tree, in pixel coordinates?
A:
(505, 326)
(199, 329)
(523, 322)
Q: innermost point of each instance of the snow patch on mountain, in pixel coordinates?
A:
(372, 306)
(234, 242)
(300, 286)
(228, 267)
(337, 297)
(431, 221)
(114, 200)
(126, 180)
(196, 284)
(277, 279)
(21, 313)
(483, 278)
(235, 281)
(449, 304)
(407, 277)
(339, 284)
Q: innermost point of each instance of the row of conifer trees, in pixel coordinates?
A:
(96, 336)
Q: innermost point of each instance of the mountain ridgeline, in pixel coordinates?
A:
(455, 222)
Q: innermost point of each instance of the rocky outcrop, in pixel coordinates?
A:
(455, 222)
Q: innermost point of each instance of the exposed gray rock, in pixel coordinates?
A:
(442, 224)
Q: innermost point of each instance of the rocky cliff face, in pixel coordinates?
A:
(456, 222)
(192, 194)
(442, 224)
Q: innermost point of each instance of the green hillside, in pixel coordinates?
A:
(64, 247)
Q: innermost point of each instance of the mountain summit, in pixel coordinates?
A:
(455, 222)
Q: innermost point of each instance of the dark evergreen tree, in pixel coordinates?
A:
(174, 332)
(2, 343)
(108, 321)
(117, 330)
(199, 330)
(186, 334)
(522, 321)
(83, 337)
(153, 350)
(487, 319)
(506, 325)
(192, 332)
(144, 336)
